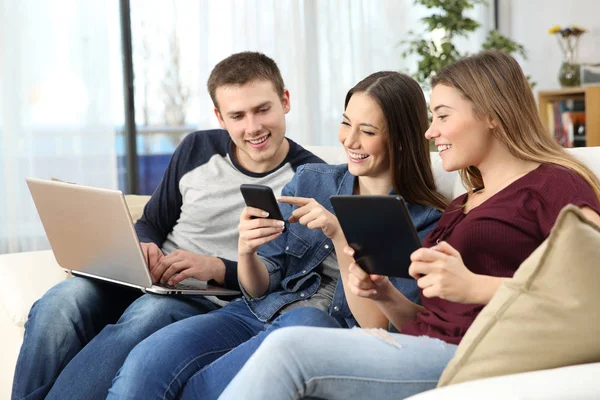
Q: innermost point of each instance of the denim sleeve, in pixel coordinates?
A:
(273, 254)
(428, 223)
(408, 287)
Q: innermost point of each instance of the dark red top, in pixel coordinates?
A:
(496, 237)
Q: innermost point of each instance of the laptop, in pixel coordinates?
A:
(92, 235)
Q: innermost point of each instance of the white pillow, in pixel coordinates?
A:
(575, 382)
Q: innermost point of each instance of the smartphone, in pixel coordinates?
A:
(262, 197)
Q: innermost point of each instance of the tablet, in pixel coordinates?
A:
(380, 231)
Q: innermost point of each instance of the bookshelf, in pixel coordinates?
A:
(591, 97)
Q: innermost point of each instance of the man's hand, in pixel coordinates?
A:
(181, 264)
(152, 254)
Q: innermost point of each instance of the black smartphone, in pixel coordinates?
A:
(262, 197)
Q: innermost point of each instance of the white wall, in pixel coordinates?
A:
(528, 21)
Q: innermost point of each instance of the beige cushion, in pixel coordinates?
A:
(136, 204)
(547, 316)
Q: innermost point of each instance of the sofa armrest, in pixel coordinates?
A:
(12, 337)
(26, 277)
(574, 382)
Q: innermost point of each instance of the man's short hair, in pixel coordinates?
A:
(241, 68)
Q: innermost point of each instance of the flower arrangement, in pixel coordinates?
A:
(568, 37)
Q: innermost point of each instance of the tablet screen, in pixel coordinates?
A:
(380, 231)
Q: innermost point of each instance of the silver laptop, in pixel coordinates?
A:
(92, 235)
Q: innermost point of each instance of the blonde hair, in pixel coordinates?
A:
(494, 82)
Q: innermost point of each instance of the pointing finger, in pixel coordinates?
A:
(295, 201)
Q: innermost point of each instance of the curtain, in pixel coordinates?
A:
(60, 100)
(61, 97)
(323, 48)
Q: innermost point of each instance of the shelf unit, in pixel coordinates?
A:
(591, 96)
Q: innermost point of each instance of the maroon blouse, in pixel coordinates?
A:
(496, 237)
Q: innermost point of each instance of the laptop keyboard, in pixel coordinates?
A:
(193, 285)
(188, 286)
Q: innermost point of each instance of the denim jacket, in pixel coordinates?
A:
(291, 259)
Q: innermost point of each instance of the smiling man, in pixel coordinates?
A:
(80, 332)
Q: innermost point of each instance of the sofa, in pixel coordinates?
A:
(26, 276)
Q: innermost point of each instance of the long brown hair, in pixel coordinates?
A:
(405, 110)
(497, 87)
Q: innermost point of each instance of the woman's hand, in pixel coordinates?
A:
(362, 284)
(440, 272)
(312, 215)
(256, 229)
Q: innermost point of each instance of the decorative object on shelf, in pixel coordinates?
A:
(568, 38)
(436, 49)
(590, 74)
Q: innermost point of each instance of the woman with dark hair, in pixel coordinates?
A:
(485, 124)
(291, 277)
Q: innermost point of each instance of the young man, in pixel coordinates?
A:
(80, 332)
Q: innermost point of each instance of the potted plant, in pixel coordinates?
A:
(449, 20)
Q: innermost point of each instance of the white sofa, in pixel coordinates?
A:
(26, 276)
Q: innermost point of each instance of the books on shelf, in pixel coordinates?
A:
(566, 122)
(573, 124)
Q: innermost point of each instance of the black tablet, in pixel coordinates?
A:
(380, 231)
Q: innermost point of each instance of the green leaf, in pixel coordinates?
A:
(448, 15)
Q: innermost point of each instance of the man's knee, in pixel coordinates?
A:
(67, 300)
(156, 310)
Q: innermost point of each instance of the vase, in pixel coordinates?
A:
(569, 72)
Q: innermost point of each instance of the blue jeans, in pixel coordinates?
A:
(294, 363)
(160, 366)
(80, 332)
(210, 382)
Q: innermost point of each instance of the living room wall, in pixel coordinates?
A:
(528, 22)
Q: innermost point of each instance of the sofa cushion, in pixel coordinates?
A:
(136, 204)
(574, 382)
(546, 316)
